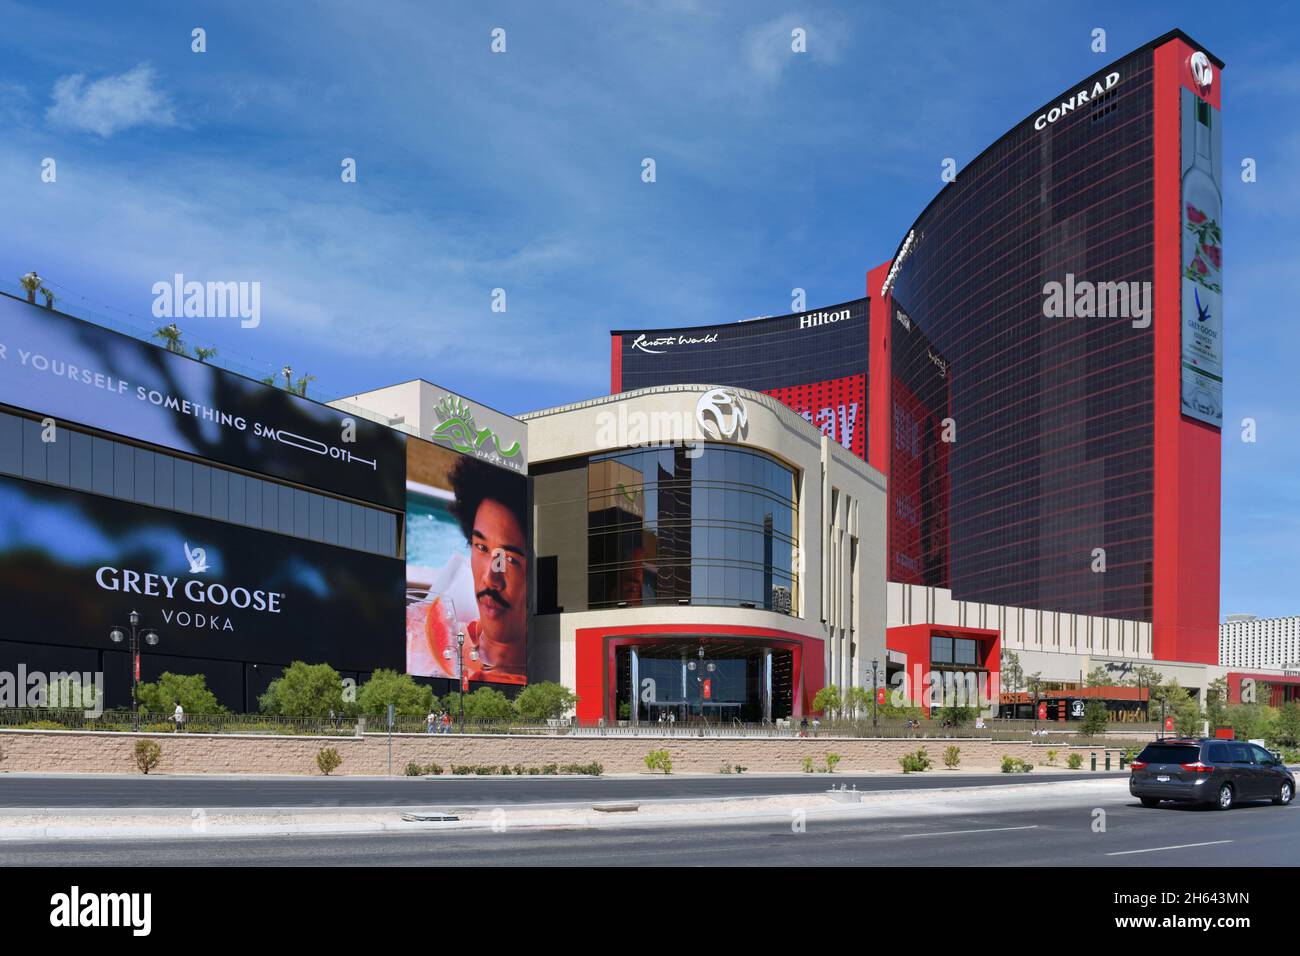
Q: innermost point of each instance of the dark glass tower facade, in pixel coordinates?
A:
(1049, 450)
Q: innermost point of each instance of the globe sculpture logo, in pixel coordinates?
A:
(721, 414)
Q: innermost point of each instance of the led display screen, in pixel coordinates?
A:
(466, 567)
(58, 366)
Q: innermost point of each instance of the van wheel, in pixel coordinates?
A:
(1225, 797)
(1284, 795)
(1149, 802)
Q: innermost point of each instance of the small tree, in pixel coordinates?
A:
(951, 757)
(188, 690)
(1188, 719)
(956, 716)
(1097, 677)
(1012, 675)
(546, 700)
(171, 337)
(304, 690)
(389, 687)
(1216, 702)
(1285, 730)
(30, 283)
(147, 755)
(832, 759)
(488, 704)
(1094, 720)
(1250, 721)
(827, 701)
(328, 760)
(857, 702)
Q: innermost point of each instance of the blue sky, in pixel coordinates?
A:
(522, 171)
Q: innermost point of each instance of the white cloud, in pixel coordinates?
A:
(109, 105)
(768, 47)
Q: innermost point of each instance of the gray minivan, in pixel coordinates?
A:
(1208, 770)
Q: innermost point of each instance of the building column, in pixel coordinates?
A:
(635, 715)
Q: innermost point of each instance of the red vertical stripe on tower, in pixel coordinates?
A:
(615, 364)
(1185, 546)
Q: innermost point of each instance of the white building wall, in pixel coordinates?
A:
(1261, 642)
(1058, 641)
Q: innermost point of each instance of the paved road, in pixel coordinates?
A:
(214, 793)
(1261, 835)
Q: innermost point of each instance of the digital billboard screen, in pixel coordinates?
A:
(73, 565)
(466, 567)
(1202, 261)
(58, 366)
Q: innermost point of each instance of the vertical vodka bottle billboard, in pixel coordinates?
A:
(1202, 263)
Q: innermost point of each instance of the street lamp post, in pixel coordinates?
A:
(119, 634)
(875, 662)
(460, 668)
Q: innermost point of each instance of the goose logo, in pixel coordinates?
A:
(198, 558)
(1202, 70)
(721, 414)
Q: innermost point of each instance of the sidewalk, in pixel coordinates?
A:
(144, 823)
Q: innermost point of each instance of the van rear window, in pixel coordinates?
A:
(1164, 753)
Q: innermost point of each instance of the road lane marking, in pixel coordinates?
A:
(1181, 846)
(906, 836)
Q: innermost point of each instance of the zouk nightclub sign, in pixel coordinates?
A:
(74, 371)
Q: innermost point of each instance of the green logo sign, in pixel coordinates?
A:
(456, 427)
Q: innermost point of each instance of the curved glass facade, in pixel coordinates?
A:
(719, 528)
(1048, 454)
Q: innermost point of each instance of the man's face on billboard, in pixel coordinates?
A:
(499, 562)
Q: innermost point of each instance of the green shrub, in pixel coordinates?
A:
(304, 690)
(147, 755)
(1095, 719)
(1074, 761)
(1051, 757)
(545, 700)
(807, 764)
(551, 769)
(534, 771)
(832, 759)
(484, 771)
(191, 690)
(659, 760)
(915, 762)
(519, 770)
(414, 769)
(328, 760)
(505, 770)
(385, 687)
(589, 769)
(461, 770)
(1015, 765)
(951, 757)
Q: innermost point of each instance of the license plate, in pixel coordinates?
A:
(1162, 778)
